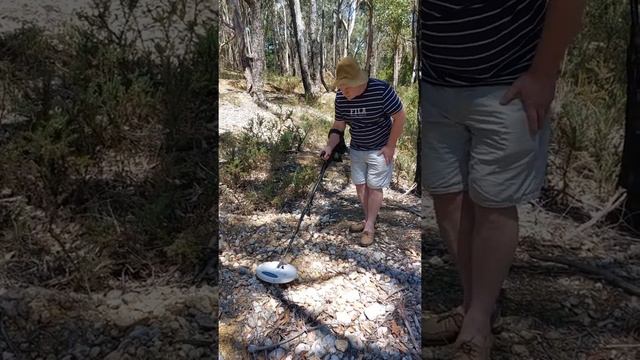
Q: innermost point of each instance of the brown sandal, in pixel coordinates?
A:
(357, 227)
(366, 239)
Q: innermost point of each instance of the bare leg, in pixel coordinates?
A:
(455, 217)
(495, 238)
(374, 202)
(363, 196)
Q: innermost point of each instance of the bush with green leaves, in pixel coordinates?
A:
(589, 124)
(261, 161)
(114, 130)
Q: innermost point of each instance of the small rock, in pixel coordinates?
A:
(187, 348)
(383, 331)
(378, 256)
(95, 351)
(436, 261)
(12, 294)
(203, 303)
(131, 350)
(527, 335)
(343, 318)
(126, 317)
(114, 303)
(10, 308)
(584, 319)
(196, 353)
(130, 298)
(553, 335)
(277, 354)
(520, 350)
(351, 295)
(206, 322)
(81, 352)
(573, 301)
(374, 311)
(139, 332)
(302, 348)
(329, 343)
(355, 340)
(114, 355)
(252, 322)
(141, 352)
(342, 345)
(148, 305)
(8, 356)
(114, 294)
(318, 349)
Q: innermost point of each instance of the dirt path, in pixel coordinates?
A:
(48, 13)
(236, 107)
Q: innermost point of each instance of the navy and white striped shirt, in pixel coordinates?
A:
(369, 115)
(478, 42)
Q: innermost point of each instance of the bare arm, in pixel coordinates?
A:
(536, 87)
(333, 140)
(399, 119)
(396, 130)
(562, 23)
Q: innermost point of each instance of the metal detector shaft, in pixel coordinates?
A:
(306, 209)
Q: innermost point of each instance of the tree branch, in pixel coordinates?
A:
(589, 269)
(612, 204)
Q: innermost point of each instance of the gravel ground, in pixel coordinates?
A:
(365, 300)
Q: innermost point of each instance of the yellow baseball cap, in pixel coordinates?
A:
(348, 73)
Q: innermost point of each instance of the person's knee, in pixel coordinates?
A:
(372, 187)
(450, 197)
(377, 184)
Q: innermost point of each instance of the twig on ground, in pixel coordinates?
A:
(612, 204)
(395, 292)
(606, 275)
(113, 217)
(256, 348)
(3, 333)
(622, 346)
(415, 212)
(410, 190)
(58, 240)
(544, 349)
(403, 315)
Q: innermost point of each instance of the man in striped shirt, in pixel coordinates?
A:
(488, 72)
(375, 116)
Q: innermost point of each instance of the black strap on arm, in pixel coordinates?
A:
(341, 148)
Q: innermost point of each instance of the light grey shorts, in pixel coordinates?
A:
(368, 167)
(470, 142)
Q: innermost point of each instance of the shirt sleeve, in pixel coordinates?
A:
(338, 110)
(390, 101)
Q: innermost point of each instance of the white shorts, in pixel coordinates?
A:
(470, 142)
(370, 167)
